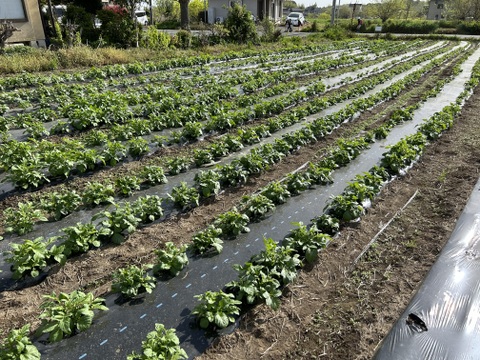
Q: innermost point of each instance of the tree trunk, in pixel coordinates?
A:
(52, 18)
(184, 20)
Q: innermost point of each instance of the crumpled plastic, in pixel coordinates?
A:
(442, 320)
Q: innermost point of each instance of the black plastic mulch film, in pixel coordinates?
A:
(443, 319)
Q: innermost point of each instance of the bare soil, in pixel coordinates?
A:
(335, 310)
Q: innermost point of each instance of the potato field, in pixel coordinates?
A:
(222, 206)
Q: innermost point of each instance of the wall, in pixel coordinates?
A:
(31, 29)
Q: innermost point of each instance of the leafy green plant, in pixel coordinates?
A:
(192, 131)
(148, 208)
(60, 204)
(277, 192)
(171, 259)
(306, 241)
(232, 223)
(17, 346)
(126, 185)
(60, 163)
(327, 224)
(216, 308)
(96, 193)
(89, 159)
(297, 182)
(132, 280)
(257, 206)
(153, 175)
(184, 197)
(256, 284)
(208, 239)
(31, 256)
(319, 175)
(177, 165)
(202, 156)
(218, 150)
(117, 224)
(80, 238)
(344, 208)
(232, 174)
(160, 344)
(280, 261)
(208, 183)
(114, 152)
(137, 147)
(66, 314)
(96, 138)
(27, 173)
(22, 219)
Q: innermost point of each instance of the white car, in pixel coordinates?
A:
(142, 17)
(296, 18)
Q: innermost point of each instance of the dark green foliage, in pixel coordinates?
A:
(118, 28)
(240, 25)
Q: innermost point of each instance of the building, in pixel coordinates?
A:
(25, 16)
(435, 10)
(261, 9)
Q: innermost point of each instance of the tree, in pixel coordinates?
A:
(90, 6)
(184, 17)
(386, 9)
(130, 5)
(240, 24)
(461, 9)
(6, 31)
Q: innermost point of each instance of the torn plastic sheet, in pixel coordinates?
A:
(443, 319)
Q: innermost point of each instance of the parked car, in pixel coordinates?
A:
(296, 18)
(142, 17)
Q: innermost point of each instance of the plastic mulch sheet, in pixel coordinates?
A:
(443, 319)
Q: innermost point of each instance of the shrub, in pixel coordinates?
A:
(335, 33)
(240, 25)
(471, 28)
(269, 32)
(182, 39)
(410, 26)
(118, 28)
(154, 39)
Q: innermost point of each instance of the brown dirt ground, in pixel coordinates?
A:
(335, 309)
(341, 310)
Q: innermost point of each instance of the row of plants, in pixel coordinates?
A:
(262, 278)
(23, 97)
(32, 256)
(137, 68)
(276, 265)
(44, 91)
(20, 220)
(107, 102)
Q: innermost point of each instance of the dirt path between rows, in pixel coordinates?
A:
(336, 310)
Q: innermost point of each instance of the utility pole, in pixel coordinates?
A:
(334, 10)
(151, 12)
